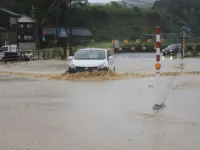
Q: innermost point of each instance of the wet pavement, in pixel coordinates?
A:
(107, 115)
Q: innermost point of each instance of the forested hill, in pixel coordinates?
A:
(181, 12)
(116, 21)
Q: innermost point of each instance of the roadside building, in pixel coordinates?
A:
(78, 35)
(28, 33)
(8, 27)
(2, 35)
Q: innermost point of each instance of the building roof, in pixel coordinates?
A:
(9, 12)
(24, 19)
(75, 31)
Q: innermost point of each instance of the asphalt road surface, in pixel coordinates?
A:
(107, 115)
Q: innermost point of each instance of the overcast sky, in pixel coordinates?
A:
(100, 1)
(107, 1)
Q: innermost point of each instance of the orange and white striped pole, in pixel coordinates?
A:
(158, 104)
(157, 45)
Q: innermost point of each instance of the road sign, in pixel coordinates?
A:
(149, 40)
(157, 66)
(113, 41)
(183, 32)
(63, 33)
(138, 41)
(188, 29)
(125, 41)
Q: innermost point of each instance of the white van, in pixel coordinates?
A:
(91, 59)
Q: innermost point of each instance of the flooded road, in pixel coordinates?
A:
(133, 62)
(106, 115)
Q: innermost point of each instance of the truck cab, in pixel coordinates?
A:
(9, 48)
(11, 52)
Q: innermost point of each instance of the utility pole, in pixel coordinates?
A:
(68, 22)
(65, 26)
(36, 26)
(57, 20)
(36, 30)
(70, 30)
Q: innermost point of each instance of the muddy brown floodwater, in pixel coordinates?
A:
(38, 114)
(107, 115)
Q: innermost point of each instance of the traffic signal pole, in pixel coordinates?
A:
(183, 37)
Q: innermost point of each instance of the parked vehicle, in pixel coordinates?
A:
(91, 59)
(11, 52)
(173, 49)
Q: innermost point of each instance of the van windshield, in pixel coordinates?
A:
(90, 55)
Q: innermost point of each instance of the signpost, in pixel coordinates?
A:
(63, 33)
(184, 30)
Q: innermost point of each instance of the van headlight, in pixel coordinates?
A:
(102, 66)
(72, 66)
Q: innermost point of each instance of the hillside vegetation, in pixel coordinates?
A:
(116, 21)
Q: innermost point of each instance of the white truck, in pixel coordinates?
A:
(12, 51)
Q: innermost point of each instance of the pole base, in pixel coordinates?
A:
(158, 106)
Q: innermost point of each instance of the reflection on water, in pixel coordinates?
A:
(169, 58)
